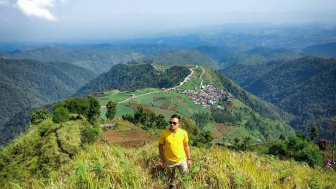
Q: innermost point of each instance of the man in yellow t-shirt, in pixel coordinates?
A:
(174, 149)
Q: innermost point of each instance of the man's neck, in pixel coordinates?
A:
(173, 130)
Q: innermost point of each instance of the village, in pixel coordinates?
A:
(208, 96)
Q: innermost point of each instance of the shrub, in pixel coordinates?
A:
(61, 115)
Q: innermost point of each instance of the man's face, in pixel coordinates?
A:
(174, 123)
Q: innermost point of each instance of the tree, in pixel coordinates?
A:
(149, 118)
(111, 109)
(203, 139)
(161, 123)
(314, 133)
(139, 115)
(93, 111)
(282, 137)
(60, 115)
(77, 105)
(39, 116)
(300, 134)
(189, 126)
(247, 141)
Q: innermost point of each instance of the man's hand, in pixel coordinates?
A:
(162, 164)
(189, 163)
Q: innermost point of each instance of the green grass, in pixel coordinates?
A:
(242, 131)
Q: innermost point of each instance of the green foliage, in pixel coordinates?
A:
(111, 109)
(39, 116)
(314, 133)
(60, 115)
(161, 123)
(315, 183)
(226, 116)
(189, 126)
(203, 139)
(43, 150)
(299, 149)
(77, 105)
(201, 119)
(80, 175)
(89, 133)
(93, 112)
(282, 137)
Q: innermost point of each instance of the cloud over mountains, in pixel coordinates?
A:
(37, 8)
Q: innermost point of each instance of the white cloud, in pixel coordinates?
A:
(36, 8)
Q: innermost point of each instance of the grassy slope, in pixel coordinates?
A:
(103, 165)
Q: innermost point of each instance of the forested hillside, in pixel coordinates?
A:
(131, 77)
(257, 104)
(27, 83)
(304, 87)
(328, 49)
(182, 57)
(97, 58)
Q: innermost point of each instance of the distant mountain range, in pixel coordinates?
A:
(304, 87)
(97, 58)
(328, 49)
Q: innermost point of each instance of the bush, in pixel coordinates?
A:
(60, 115)
(203, 139)
(299, 149)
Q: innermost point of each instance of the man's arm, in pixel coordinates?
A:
(186, 150)
(163, 158)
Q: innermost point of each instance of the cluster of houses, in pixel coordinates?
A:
(208, 96)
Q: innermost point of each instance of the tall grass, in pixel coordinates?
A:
(52, 156)
(107, 166)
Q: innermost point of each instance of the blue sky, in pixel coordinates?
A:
(62, 20)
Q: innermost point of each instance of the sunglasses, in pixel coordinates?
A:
(172, 122)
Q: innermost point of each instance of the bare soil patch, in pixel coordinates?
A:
(180, 99)
(224, 129)
(157, 98)
(174, 108)
(165, 105)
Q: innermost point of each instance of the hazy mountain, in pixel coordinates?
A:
(182, 57)
(97, 58)
(328, 49)
(27, 83)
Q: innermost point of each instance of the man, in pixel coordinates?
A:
(174, 149)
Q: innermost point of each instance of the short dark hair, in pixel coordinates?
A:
(176, 116)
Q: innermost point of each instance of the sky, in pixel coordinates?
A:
(71, 20)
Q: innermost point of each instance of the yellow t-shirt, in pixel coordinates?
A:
(173, 147)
